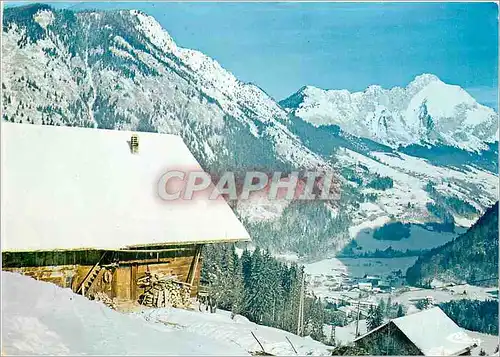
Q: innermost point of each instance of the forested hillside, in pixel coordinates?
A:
(261, 288)
(471, 257)
(473, 315)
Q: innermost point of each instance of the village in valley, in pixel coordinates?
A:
(350, 278)
(355, 287)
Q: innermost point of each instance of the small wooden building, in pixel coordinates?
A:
(429, 332)
(80, 208)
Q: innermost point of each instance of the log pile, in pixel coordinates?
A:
(163, 290)
(105, 299)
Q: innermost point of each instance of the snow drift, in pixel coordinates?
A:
(42, 318)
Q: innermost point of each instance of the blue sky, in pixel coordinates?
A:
(284, 46)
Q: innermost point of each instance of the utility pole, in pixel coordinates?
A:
(357, 316)
(298, 317)
(274, 307)
(302, 309)
(300, 321)
(1, 14)
(332, 335)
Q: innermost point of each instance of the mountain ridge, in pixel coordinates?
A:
(400, 116)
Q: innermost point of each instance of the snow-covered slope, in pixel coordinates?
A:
(386, 185)
(426, 111)
(221, 327)
(411, 176)
(41, 318)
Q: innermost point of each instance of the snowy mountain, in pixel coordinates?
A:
(122, 70)
(426, 111)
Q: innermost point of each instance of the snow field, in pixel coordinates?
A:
(42, 318)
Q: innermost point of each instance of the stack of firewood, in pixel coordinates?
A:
(163, 290)
(105, 299)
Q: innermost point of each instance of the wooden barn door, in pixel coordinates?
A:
(133, 282)
(193, 269)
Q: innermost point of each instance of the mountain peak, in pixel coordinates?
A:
(304, 90)
(154, 31)
(423, 80)
(294, 100)
(394, 116)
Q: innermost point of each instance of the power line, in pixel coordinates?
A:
(300, 322)
(357, 315)
(347, 298)
(450, 285)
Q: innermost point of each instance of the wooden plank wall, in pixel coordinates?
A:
(123, 283)
(127, 289)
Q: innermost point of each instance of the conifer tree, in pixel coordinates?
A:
(400, 312)
(375, 317)
(261, 288)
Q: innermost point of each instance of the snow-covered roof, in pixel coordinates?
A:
(76, 188)
(433, 333)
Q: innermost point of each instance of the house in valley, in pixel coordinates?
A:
(364, 285)
(81, 209)
(347, 312)
(429, 332)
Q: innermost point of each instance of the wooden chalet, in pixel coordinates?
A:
(80, 208)
(429, 332)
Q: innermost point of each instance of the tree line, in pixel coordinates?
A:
(473, 315)
(471, 257)
(261, 288)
